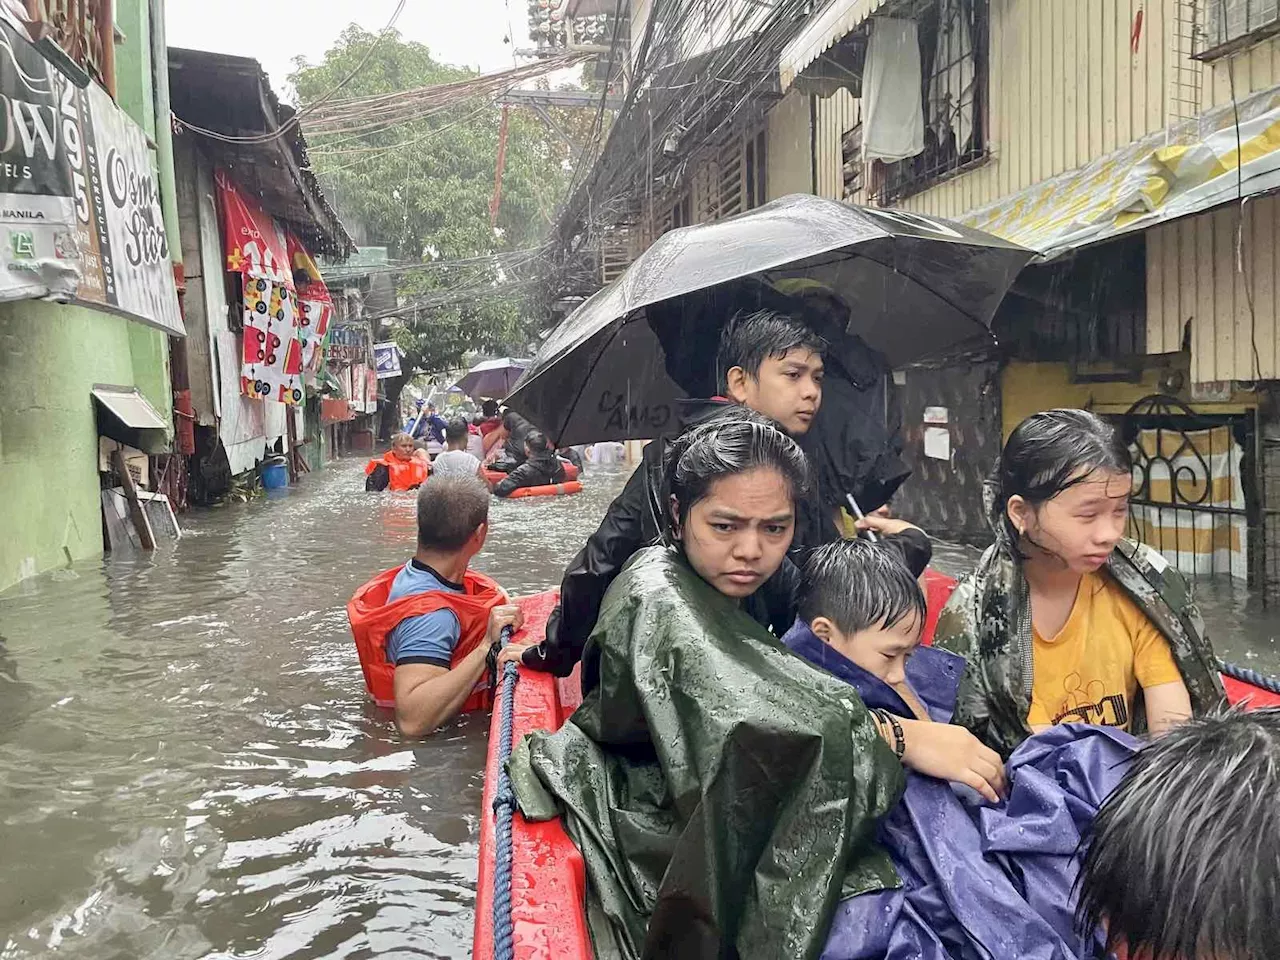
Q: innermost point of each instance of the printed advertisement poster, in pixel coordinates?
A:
(272, 351)
(38, 252)
(386, 356)
(255, 244)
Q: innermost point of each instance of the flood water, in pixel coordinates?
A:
(189, 766)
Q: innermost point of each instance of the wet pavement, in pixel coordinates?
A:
(189, 766)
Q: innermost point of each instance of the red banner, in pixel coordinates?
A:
(255, 244)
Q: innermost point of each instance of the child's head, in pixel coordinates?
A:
(402, 446)
(535, 443)
(1063, 488)
(860, 597)
(455, 433)
(1184, 862)
(453, 515)
(772, 363)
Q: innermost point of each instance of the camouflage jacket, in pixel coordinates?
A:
(988, 622)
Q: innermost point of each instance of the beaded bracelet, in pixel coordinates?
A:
(899, 738)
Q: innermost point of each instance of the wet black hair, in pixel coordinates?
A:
(536, 441)
(734, 442)
(489, 408)
(857, 585)
(1048, 453)
(1184, 856)
(749, 339)
(450, 510)
(455, 429)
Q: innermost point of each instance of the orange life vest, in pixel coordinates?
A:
(405, 474)
(373, 618)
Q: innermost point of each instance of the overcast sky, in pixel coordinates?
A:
(273, 32)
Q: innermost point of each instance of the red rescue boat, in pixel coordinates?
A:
(548, 876)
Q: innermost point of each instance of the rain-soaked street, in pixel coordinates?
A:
(190, 764)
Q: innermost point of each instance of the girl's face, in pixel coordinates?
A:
(881, 651)
(1081, 525)
(737, 536)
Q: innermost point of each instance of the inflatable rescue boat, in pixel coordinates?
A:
(529, 902)
(571, 484)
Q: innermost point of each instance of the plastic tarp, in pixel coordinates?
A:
(1166, 175)
(978, 881)
(893, 120)
(723, 793)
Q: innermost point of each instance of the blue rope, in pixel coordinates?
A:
(1253, 677)
(504, 806)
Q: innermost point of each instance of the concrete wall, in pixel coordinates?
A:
(50, 357)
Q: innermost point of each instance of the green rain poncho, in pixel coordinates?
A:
(723, 792)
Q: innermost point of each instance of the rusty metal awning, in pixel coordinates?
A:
(821, 34)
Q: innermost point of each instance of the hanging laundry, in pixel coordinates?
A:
(893, 117)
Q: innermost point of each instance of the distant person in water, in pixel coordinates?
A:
(455, 461)
(400, 468)
(425, 630)
(1184, 862)
(541, 467)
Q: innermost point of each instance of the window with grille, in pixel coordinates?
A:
(851, 157)
(1227, 21)
(953, 56)
(757, 162)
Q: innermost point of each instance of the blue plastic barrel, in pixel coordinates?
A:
(275, 476)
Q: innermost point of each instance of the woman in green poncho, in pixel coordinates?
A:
(723, 792)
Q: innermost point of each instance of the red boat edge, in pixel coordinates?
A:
(548, 874)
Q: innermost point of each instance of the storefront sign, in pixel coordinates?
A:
(386, 357)
(79, 202)
(348, 342)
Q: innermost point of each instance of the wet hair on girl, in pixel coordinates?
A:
(730, 444)
(857, 585)
(1184, 860)
(1048, 453)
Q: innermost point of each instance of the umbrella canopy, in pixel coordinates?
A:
(492, 378)
(912, 287)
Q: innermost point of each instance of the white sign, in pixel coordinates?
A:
(937, 443)
(936, 415)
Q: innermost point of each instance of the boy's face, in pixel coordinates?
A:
(881, 651)
(788, 389)
(403, 448)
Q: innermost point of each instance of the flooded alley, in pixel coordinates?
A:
(191, 766)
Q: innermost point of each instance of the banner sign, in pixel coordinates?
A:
(255, 244)
(349, 342)
(386, 357)
(315, 306)
(79, 201)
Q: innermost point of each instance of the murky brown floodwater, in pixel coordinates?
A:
(189, 766)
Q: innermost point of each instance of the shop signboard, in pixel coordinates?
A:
(386, 357)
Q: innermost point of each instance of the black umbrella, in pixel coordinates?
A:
(912, 287)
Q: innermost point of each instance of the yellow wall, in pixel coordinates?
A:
(1193, 277)
(835, 115)
(788, 156)
(1028, 388)
(1254, 69)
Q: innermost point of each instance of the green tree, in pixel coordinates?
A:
(423, 187)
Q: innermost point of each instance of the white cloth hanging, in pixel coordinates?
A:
(893, 119)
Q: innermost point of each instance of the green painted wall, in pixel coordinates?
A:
(134, 78)
(51, 355)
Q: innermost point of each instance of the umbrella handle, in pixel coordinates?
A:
(857, 512)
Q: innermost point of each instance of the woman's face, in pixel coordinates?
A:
(1081, 525)
(737, 536)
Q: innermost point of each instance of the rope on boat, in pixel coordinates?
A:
(504, 806)
(1251, 677)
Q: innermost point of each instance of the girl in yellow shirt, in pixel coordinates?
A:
(1056, 623)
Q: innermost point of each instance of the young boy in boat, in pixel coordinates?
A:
(768, 362)
(540, 468)
(860, 616)
(1064, 619)
(1184, 862)
(401, 468)
(425, 630)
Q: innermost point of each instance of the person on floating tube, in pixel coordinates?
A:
(540, 468)
(1064, 619)
(768, 362)
(401, 468)
(723, 792)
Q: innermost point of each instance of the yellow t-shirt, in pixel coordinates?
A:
(1091, 671)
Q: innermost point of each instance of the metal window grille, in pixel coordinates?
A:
(953, 55)
(851, 156)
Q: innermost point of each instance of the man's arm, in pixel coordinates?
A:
(519, 477)
(620, 534)
(910, 542)
(428, 695)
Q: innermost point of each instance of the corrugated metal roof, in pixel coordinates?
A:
(232, 96)
(820, 34)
